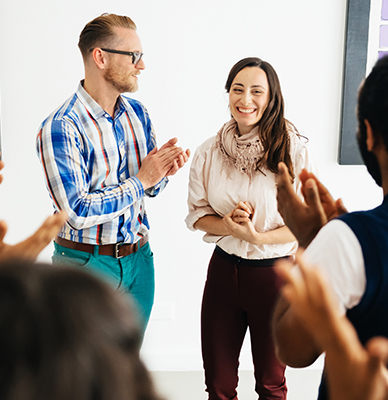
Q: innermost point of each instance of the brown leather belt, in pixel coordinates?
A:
(116, 250)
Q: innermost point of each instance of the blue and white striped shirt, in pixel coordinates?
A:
(90, 161)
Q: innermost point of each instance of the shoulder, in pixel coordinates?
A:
(207, 145)
(136, 105)
(370, 227)
(336, 241)
(333, 230)
(379, 214)
(299, 152)
(62, 114)
(297, 141)
(206, 149)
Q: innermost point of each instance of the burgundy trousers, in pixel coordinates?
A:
(239, 295)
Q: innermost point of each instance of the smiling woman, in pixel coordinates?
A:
(232, 197)
(248, 98)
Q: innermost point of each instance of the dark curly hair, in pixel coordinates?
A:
(373, 106)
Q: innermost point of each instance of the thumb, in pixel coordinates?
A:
(341, 209)
(153, 151)
(3, 230)
(378, 347)
(311, 193)
(284, 180)
(312, 198)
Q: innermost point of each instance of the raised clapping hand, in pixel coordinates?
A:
(161, 163)
(1, 167)
(178, 162)
(305, 219)
(353, 372)
(33, 245)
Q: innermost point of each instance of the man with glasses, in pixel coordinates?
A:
(99, 156)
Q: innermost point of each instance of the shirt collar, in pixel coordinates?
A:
(94, 108)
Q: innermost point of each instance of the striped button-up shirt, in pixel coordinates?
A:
(90, 161)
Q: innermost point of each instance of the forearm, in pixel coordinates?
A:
(87, 200)
(87, 208)
(341, 343)
(293, 344)
(277, 236)
(350, 372)
(212, 224)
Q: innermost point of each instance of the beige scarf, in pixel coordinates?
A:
(242, 152)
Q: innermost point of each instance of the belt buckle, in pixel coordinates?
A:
(117, 250)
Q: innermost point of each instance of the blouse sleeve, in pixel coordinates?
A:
(302, 160)
(198, 196)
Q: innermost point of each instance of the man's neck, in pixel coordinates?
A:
(102, 95)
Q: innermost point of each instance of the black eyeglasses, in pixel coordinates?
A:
(136, 55)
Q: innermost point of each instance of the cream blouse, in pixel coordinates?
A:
(215, 189)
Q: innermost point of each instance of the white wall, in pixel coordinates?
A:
(189, 48)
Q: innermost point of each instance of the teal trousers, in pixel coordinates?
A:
(133, 274)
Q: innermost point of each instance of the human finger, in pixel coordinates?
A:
(174, 169)
(169, 152)
(287, 200)
(312, 196)
(238, 212)
(3, 230)
(1, 167)
(186, 155)
(239, 216)
(183, 158)
(249, 206)
(245, 206)
(304, 175)
(33, 245)
(153, 151)
(180, 161)
(322, 189)
(341, 209)
(50, 227)
(241, 220)
(167, 158)
(172, 142)
(378, 347)
(229, 220)
(284, 184)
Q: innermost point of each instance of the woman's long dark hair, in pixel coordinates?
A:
(273, 127)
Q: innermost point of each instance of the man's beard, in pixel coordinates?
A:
(369, 158)
(120, 81)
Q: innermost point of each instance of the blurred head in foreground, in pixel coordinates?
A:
(64, 334)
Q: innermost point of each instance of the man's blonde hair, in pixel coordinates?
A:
(100, 31)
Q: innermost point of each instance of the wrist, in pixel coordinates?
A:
(258, 236)
(146, 184)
